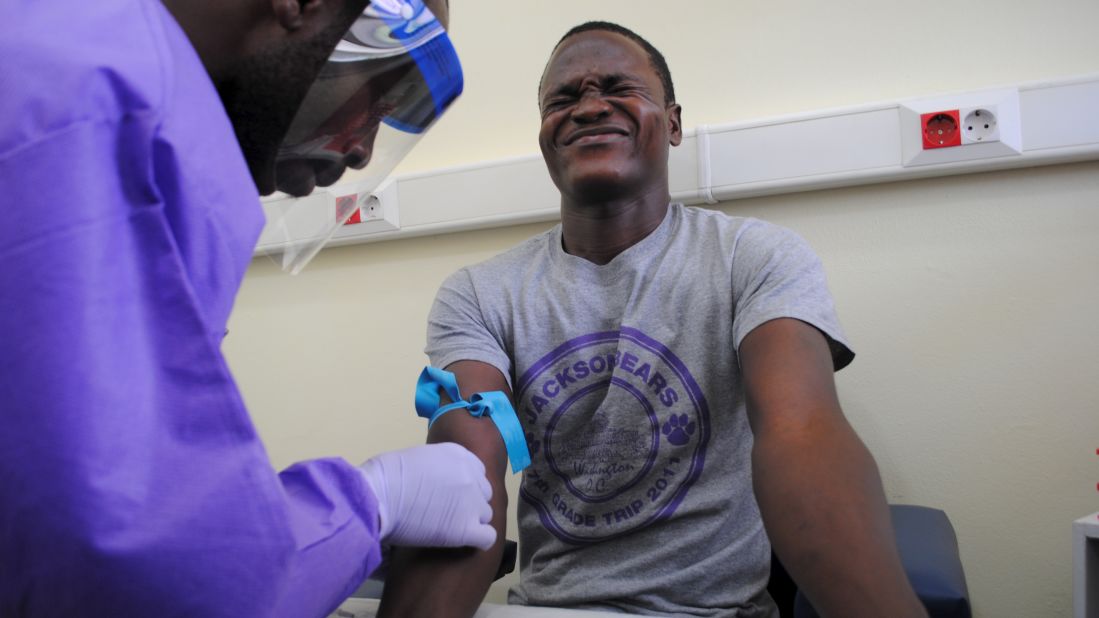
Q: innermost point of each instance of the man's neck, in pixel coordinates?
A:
(599, 231)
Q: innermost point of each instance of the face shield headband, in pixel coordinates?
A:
(389, 78)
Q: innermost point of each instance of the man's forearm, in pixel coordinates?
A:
(444, 583)
(824, 508)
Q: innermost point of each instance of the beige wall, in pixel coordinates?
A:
(970, 300)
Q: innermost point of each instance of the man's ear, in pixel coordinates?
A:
(675, 124)
(292, 14)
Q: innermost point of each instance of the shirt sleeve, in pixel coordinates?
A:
(777, 275)
(458, 330)
(132, 482)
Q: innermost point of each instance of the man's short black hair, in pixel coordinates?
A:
(655, 57)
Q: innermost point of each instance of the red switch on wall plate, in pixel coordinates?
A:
(346, 210)
(940, 129)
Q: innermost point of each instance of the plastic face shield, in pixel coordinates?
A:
(390, 77)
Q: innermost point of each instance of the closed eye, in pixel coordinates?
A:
(621, 90)
(559, 101)
(556, 104)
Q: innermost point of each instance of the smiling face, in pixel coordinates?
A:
(606, 127)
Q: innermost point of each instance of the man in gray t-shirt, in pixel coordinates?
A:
(672, 370)
(639, 491)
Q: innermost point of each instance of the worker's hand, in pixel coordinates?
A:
(432, 496)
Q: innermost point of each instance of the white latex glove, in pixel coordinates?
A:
(434, 495)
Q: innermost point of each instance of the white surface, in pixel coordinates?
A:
(1085, 558)
(367, 608)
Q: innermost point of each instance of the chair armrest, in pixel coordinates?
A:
(507, 560)
(929, 553)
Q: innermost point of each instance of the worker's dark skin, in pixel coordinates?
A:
(262, 56)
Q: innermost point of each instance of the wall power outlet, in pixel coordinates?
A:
(947, 129)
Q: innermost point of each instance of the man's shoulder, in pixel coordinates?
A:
(700, 221)
(522, 256)
(69, 62)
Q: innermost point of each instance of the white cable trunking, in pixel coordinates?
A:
(1042, 123)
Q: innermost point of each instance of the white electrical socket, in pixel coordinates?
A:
(979, 124)
(1001, 138)
(370, 207)
(378, 211)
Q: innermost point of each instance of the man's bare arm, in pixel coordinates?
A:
(817, 485)
(452, 582)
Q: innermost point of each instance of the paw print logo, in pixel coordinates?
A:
(678, 429)
(533, 445)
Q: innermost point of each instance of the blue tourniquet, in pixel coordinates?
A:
(495, 404)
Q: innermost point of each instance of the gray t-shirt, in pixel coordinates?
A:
(625, 376)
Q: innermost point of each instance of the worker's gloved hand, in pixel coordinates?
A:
(434, 495)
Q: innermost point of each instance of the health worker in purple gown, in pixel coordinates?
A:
(133, 137)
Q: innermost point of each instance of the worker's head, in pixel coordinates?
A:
(608, 114)
(394, 68)
(308, 96)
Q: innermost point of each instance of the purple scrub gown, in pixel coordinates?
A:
(132, 482)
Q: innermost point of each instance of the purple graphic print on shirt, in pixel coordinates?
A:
(617, 420)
